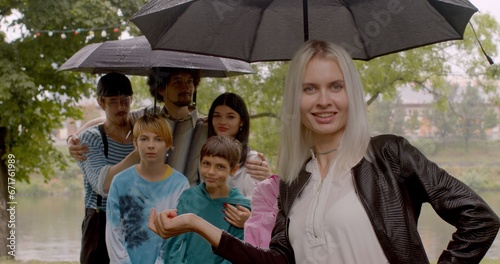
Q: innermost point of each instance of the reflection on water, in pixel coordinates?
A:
(49, 228)
(436, 233)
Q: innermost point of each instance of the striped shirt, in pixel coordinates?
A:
(96, 166)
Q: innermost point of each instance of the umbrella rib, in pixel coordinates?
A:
(343, 2)
(305, 19)
(257, 28)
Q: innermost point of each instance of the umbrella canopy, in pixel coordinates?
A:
(135, 57)
(269, 30)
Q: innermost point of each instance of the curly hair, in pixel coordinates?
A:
(160, 76)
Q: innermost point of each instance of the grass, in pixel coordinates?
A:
(484, 261)
(478, 152)
(11, 261)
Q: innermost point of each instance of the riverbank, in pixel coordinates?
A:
(10, 261)
(4, 261)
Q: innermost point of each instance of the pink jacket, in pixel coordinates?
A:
(259, 226)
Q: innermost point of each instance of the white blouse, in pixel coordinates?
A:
(243, 180)
(328, 223)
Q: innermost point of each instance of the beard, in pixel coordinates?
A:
(182, 103)
(122, 121)
(183, 99)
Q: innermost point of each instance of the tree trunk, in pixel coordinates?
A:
(8, 244)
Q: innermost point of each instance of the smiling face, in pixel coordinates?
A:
(151, 147)
(324, 105)
(226, 121)
(215, 171)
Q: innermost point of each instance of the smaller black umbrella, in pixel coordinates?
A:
(134, 56)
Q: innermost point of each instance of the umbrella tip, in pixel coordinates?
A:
(490, 60)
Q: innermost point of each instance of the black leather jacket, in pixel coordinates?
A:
(393, 181)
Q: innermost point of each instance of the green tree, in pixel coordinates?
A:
(262, 93)
(379, 115)
(490, 120)
(427, 68)
(387, 116)
(470, 111)
(398, 117)
(442, 118)
(34, 97)
(413, 123)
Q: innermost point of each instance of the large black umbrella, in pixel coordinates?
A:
(268, 30)
(135, 57)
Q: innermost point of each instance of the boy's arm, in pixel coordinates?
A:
(115, 240)
(106, 179)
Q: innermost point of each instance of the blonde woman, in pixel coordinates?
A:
(346, 197)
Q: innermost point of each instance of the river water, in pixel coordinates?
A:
(49, 228)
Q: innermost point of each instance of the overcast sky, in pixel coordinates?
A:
(488, 6)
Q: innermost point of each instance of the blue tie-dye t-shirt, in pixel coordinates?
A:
(130, 201)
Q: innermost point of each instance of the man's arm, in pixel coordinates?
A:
(76, 149)
(79, 151)
(97, 172)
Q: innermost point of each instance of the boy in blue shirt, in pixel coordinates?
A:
(138, 189)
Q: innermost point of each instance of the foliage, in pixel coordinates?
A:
(427, 68)
(262, 94)
(413, 123)
(490, 120)
(379, 113)
(387, 116)
(426, 146)
(467, 115)
(481, 178)
(34, 98)
(470, 112)
(142, 96)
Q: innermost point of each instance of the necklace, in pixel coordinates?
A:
(327, 152)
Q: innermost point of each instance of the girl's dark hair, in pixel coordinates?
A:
(159, 77)
(236, 103)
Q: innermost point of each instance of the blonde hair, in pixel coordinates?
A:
(296, 139)
(154, 124)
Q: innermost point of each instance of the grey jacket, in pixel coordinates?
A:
(393, 181)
